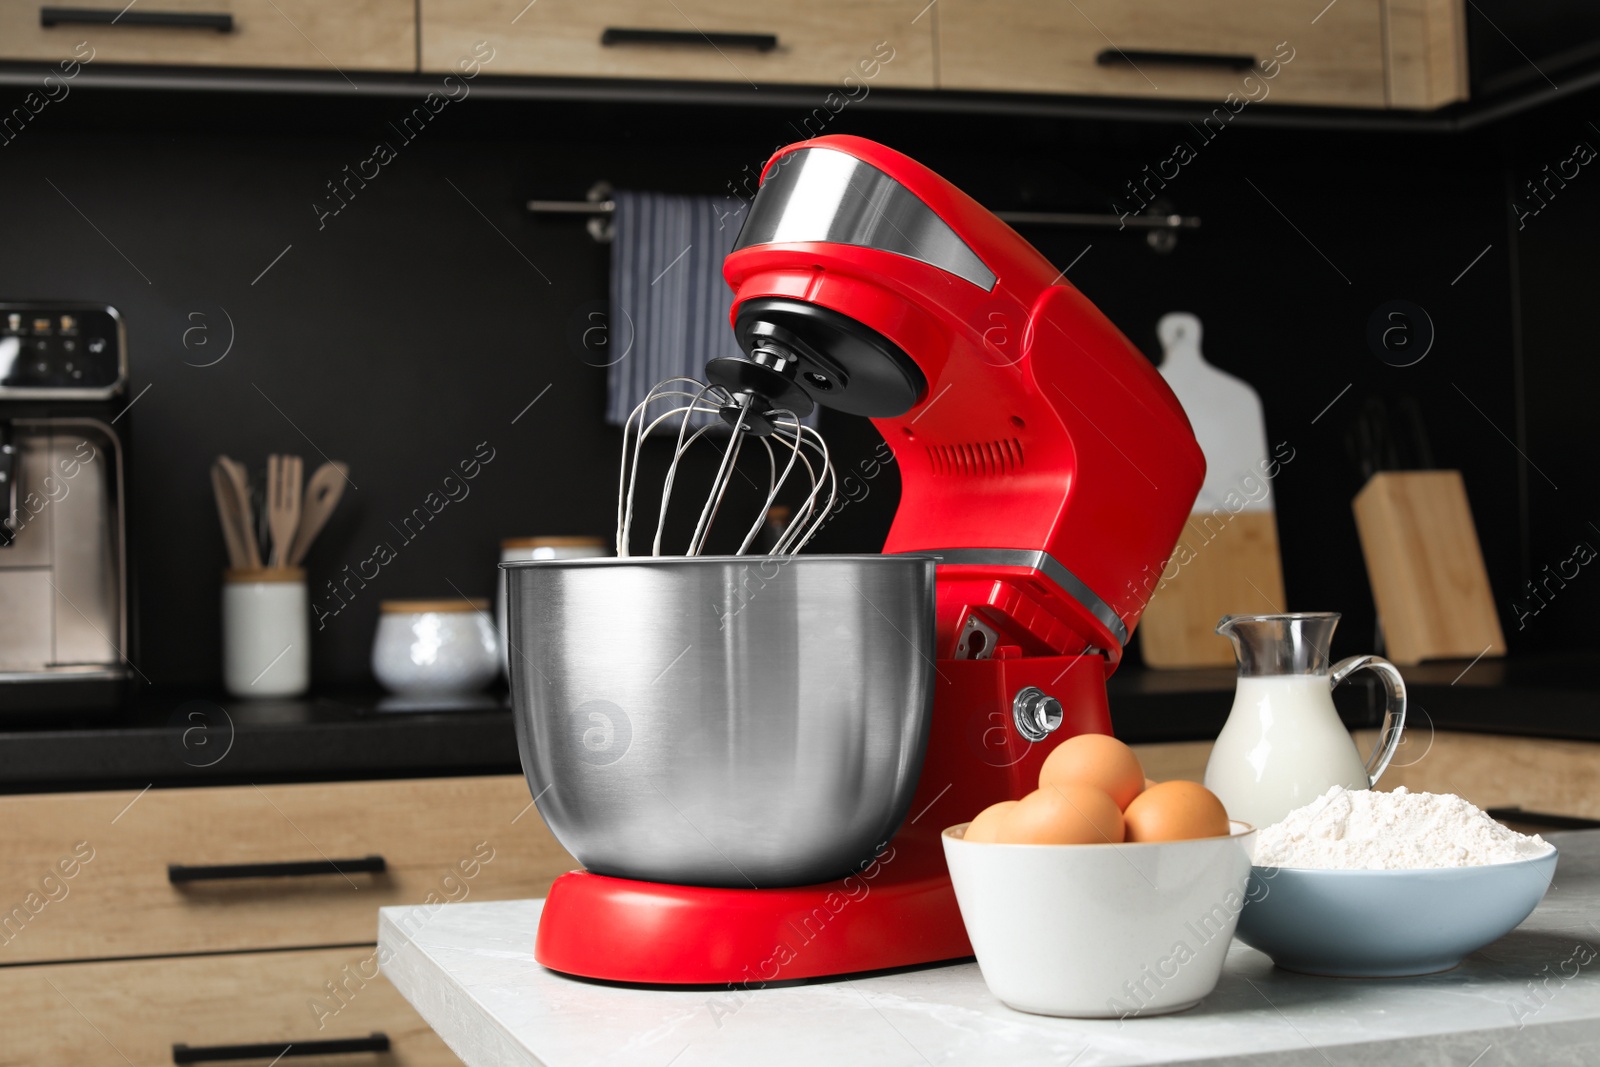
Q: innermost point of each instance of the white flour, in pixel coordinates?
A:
(1366, 830)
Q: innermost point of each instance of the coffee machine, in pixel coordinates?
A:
(1044, 464)
(64, 631)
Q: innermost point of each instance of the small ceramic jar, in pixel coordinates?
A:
(513, 548)
(434, 647)
(266, 633)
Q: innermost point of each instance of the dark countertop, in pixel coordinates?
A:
(189, 741)
(1552, 696)
(194, 742)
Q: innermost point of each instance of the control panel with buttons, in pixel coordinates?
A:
(60, 350)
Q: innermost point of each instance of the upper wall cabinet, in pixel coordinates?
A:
(1346, 53)
(815, 42)
(1315, 52)
(1427, 52)
(347, 35)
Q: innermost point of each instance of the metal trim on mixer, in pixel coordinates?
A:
(1040, 561)
(826, 196)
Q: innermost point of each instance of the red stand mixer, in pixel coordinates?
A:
(1042, 459)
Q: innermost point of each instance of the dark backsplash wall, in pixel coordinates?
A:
(1555, 249)
(411, 330)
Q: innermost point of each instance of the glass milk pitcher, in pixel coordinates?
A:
(1283, 744)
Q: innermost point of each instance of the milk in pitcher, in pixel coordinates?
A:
(1284, 745)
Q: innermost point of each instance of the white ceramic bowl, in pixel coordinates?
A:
(434, 648)
(1101, 931)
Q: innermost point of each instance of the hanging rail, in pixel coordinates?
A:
(599, 208)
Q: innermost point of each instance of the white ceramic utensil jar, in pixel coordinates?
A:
(434, 647)
(514, 548)
(266, 638)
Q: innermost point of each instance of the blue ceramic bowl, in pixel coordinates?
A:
(1387, 924)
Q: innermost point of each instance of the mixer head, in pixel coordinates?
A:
(1041, 455)
(801, 351)
(801, 354)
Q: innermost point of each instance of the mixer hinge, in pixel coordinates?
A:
(978, 639)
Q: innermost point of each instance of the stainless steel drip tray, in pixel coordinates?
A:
(67, 672)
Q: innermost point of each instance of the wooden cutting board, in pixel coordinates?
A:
(1227, 560)
(1426, 567)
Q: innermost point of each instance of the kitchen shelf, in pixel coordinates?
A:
(1553, 695)
(208, 81)
(346, 736)
(185, 740)
(1192, 704)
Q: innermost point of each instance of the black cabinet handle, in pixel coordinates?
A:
(266, 1050)
(178, 873)
(1112, 57)
(107, 16)
(760, 42)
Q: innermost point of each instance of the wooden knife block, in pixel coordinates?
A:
(1218, 568)
(1426, 567)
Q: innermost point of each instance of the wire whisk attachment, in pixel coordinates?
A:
(789, 446)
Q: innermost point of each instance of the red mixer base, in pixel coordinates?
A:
(898, 911)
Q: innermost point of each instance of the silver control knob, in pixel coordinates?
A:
(1036, 713)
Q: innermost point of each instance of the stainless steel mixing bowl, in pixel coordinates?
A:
(722, 721)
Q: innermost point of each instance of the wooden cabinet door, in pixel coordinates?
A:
(1325, 53)
(134, 1011)
(87, 875)
(1427, 52)
(819, 42)
(325, 35)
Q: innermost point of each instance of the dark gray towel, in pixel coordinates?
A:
(669, 304)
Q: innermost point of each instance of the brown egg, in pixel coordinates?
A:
(986, 827)
(1175, 811)
(1066, 814)
(1095, 759)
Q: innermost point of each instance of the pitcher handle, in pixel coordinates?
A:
(1394, 712)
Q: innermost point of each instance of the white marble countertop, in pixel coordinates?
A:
(470, 972)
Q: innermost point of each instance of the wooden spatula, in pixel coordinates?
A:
(233, 530)
(240, 482)
(323, 492)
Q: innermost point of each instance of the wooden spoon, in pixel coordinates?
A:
(324, 489)
(241, 491)
(233, 531)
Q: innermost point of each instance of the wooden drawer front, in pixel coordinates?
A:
(1051, 46)
(346, 35)
(821, 42)
(85, 875)
(134, 1011)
